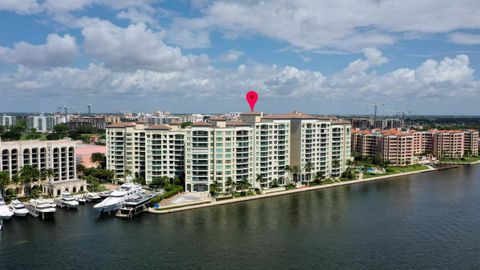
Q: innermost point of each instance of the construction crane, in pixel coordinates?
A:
(67, 108)
(375, 110)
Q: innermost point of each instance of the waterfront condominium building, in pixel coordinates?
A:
(471, 142)
(448, 143)
(58, 155)
(366, 143)
(318, 146)
(126, 149)
(7, 121)
(256, 149)
(165, 146)
(143, 151)
(217, 151)
(397, 147)
(44, 123)
(391, 145)
(423, 142)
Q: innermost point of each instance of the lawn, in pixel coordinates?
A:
(391, 170)
(461, 160)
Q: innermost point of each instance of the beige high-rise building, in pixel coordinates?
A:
(257, 149)
(471, 143)
(448, 143)
(140, 151)
(58, 155)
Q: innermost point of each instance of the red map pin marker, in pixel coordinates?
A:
(252, 98)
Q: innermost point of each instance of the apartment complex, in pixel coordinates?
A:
(44, 123)
(58, 155)
(144, 151)
(98, 122)
(7, 120)
(257, 149)
(471, 142)
(397, 147)
(400, 147)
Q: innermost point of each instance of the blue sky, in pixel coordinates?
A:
(203, 56)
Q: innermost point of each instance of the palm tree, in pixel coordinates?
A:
(308, 169)
(215, 188)
(288, 170)
(99, 159)
(28, 174)
(295, 172)
(230, 184)
(259, 178)
(4, 181)
(15, 179)
(49, 173)
(80, 168)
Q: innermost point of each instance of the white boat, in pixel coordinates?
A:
(18, 208)
(5, 213)
(92, 197)
(81, 199)
(115, 200)
(66, 200)
(42, 208)
(136, 205)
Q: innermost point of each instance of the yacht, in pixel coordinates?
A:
(136, 205)
(18, 208)
(66, 200)
(42, 208)
(81, 199)
(5, 213)
(115, 199)
(92, 197)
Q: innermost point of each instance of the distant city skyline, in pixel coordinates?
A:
(204, 55)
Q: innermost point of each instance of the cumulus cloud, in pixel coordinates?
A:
(374, 57)
(349, 25)
(21, 7)
(449, 77)
(464, 38)
(230, 56)
(134, 47)
(58, 51)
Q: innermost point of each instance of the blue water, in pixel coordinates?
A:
(424, 221)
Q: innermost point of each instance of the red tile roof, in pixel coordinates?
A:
(158, 127)
(121, 125)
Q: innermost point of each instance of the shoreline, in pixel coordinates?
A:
(202, 204)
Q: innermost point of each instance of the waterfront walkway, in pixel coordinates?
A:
(209, 203)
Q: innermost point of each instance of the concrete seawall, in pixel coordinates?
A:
(203, 204)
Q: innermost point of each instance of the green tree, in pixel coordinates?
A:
(230, 184)
(295, 171)
(16, 180)
(308, 169)
(99, 159)
(29, 174)
(215, 188)
(288, 171)
(4, 181)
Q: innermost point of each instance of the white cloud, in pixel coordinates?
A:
(20, 6)
(447, 79)
(231, 56)
(374, 58)
(348, 25)
(58, 51)
(465, 38)
(135, 15)
(134, 47)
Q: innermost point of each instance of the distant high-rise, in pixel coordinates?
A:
(7, 120)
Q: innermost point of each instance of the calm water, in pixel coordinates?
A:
(426, 221)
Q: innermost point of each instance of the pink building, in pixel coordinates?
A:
(85, 151)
